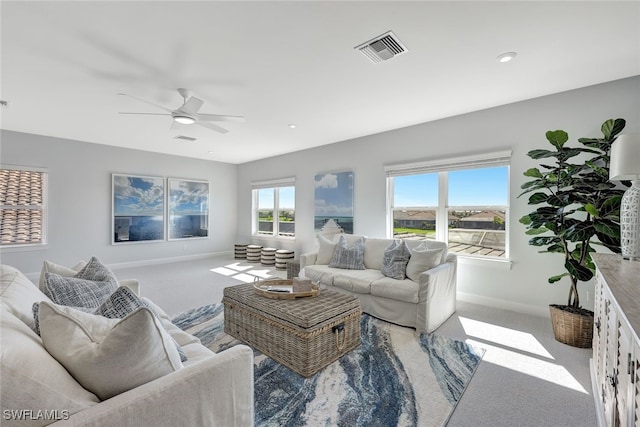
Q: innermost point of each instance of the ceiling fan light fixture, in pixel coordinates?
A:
(506, 57)
(185, 120)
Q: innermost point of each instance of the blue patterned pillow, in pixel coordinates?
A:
(75, 292)
(348, 256)
(395, 259)
(95, 270)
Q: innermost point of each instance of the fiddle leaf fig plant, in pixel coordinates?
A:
(577, 206)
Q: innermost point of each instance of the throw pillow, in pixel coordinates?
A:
(95, 270)
(77, 292)
(123, 302)
(108, 356)
(422, 259)
(395, 259)
(348, 256)
(325, 251)
(52, 267)
(119, 305)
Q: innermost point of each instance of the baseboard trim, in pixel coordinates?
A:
(157, 261)
(504, 304)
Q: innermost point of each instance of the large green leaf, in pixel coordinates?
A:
(610, 208)
(591, 209)
(611, 128)
(558, 200)
(543, 240)
(556, 248)
(536, 231)
(542, 154)
(557, 138)
(607, 227)
(533, 173)
(526, 220)
(580, 272)
(554, 279)
(537, 198)
(580, 232)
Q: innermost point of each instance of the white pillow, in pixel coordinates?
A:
(326, 250)
(52, 267)
(31, 378)
(422, 259)
(108, 356)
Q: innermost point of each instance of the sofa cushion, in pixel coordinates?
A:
(77, 292)
(395, 259)
(108, 356)
(358, 281)
(374, 252)
(401, 290)
(31, 378)
(321, 274)
(348, 256)
(422, 259)
(430, 244)
(19, 293)
(52, 267)
(325, 250)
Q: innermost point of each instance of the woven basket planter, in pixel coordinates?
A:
(574, 329)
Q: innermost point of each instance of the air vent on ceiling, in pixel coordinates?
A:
(382, 48)
(184, 138)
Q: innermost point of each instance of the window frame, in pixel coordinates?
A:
(43, 243)
(442, 168)
(275, 186)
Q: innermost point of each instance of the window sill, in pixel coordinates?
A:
(500, 263)
(24, 248)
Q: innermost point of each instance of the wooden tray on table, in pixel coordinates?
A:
(282, 289)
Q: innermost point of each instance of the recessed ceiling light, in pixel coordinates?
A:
(506, 57)
(212, 152)
(292, 126)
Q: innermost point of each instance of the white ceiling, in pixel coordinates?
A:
(282, 62)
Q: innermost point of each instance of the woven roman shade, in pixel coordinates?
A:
(21, 206)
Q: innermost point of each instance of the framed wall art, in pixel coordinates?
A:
(334, 202)
(138, 208)
(188, 207)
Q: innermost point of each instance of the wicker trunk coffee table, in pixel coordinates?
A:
(304, 334)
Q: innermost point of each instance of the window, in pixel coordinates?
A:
(274, 208)
(22, 206)
(463, 202)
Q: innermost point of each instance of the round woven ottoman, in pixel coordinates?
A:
(253, 253)
(282, 256)
(268, 256)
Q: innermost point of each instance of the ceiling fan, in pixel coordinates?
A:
(187, 113)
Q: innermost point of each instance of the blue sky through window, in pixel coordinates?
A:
(469, 187)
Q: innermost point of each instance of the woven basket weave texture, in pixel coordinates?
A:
(304, 334)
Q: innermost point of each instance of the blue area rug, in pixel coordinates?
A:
(394, 378)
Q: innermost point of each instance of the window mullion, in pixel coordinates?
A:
(442, 221)
(276, 211)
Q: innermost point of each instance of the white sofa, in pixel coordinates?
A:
(423, 304)
(211, 389)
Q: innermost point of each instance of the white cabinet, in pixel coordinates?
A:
(616, 347)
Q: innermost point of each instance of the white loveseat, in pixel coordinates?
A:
(424, 303)
(35, 389)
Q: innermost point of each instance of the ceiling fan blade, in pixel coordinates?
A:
(146, 102)
(146, 114)
(219, 118)
(212, 127)
(192, 105)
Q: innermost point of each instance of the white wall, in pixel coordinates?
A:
(519, 127)
(79, 214)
